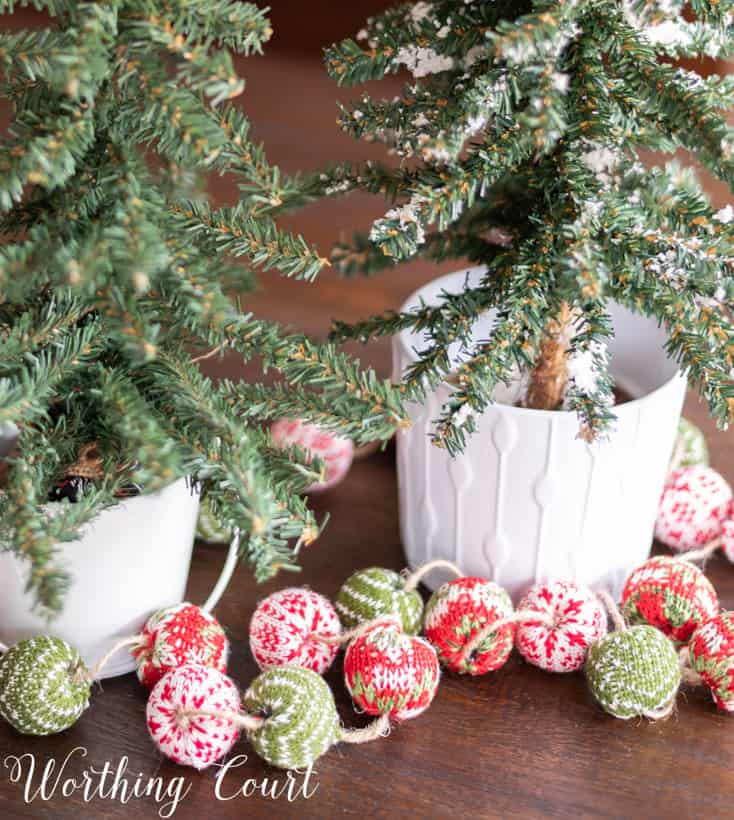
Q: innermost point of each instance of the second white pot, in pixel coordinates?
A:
(130, 561)
(528, 500)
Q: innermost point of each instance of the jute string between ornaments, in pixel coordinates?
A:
(411, 582)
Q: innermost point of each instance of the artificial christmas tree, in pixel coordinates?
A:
(115, 271)
(518, 143)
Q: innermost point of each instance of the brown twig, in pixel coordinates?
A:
(549, 376)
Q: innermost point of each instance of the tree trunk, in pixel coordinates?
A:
(549, 376)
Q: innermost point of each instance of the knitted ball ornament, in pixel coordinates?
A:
(711, 653)
(192, 740)
(176, 636)
(727, 539)
(284, 626)
(373, 592)
(579, 620)
(43, 686)
(690, 447)
(456, 612)
(334, 451)
(389, 672)
(673, 596)
(208, 528)
(695, 502)
(301, 722)
(633, 673)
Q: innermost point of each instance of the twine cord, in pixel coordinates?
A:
(376, 729)
(521, 616)
(241, 719)
(358, 631)
(620, 625)
(412, 580)
(701, 554)
(90, 675)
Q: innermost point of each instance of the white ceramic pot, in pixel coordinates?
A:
(528, 500)
(131, 560)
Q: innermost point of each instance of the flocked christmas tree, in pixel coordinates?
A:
(112, 280)
(518, 144)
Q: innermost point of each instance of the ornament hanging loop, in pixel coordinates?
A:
(358, 631)
(620, 625)
(90, 675)
(412, 580)
(521, 616)
(376, 729)
(249, 723)
(702, 554)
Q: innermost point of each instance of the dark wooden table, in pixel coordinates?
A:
(517, 743)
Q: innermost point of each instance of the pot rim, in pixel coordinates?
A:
(124, 502)
(670, 384)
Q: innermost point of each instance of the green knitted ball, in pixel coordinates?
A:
(38, 693)
(301, 721)
(373, 592)
(208, 528)
(633, 673)
(690, 447)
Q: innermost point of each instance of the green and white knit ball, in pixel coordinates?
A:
(370, 593)
(301, 722)
(690, 447)
(633, 673)
(208, 528)
(43, 686)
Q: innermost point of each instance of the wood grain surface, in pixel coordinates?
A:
(516, 743)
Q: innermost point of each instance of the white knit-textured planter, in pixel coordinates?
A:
(528, 500)
(131, 560)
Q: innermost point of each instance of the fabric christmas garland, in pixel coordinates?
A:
(668, 629)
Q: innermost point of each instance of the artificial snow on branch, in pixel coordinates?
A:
(518, 138)
(116, 278)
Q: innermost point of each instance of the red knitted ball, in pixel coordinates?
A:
(579, 621)
(178, 635)
(389, 672)
(671, 595)
(459, 610)
(335, 451)
(727, 539)
(193, 740)
(696, 501)
(711, 651)
(283, 629)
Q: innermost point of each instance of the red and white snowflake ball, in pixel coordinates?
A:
(191, 739)
(178, 635)
(579, 621)
(695, 503)
(727, 539)
(389, 672)
(335, 451)
(284, 627)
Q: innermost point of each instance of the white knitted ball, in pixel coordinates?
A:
(694, 504)
(193, 740)
(284, 627)
(579, 620)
